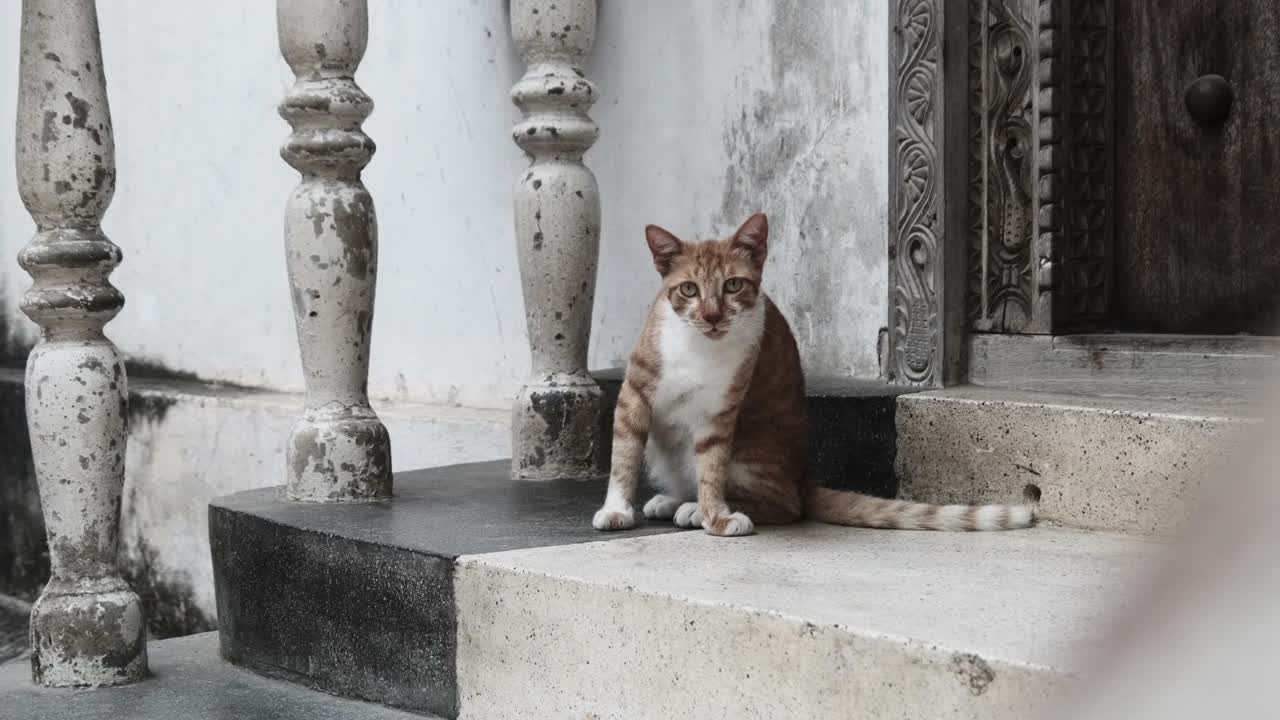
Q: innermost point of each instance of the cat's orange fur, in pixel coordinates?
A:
(713, 402)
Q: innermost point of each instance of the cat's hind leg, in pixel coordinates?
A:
(766, 494)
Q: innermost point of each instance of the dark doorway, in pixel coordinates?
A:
(1197, 201)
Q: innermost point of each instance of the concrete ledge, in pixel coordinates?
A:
(801, 622)
(190, 442)
(188, 681)
(1136, 359)
(1108, 462)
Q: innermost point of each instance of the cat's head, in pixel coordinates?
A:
(711, 284)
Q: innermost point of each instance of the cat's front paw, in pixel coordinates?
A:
(662, 507)
(606, 519)
(688, 516)
(732, 525)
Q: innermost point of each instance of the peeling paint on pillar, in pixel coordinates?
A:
(339, 450)
(556, 419)
(87, 626)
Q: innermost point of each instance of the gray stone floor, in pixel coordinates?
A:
(188, 681)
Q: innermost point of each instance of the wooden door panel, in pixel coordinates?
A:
(1198, 207)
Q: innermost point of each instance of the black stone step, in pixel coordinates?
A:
(357, 600)
(188, 682)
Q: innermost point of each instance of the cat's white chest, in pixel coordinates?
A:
(696, 373)
(694, 379)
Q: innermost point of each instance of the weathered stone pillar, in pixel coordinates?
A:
(339, 450)
(555, 423)
(87, 627)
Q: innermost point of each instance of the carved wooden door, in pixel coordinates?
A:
(1197, 193)
(1038, 165)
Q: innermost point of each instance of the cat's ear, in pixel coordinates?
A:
(664, 246)
(753, 239)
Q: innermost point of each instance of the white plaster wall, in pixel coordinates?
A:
(709, 110)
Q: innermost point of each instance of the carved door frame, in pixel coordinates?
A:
(1001, 168)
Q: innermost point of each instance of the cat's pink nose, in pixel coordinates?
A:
(713, 317)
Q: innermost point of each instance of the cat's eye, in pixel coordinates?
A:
(689, 289)
(733, 285)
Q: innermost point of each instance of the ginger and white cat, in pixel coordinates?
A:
(714, 405)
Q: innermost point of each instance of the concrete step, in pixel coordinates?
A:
(800, 622)
(358, 600)
(188, 682)
(1102, 456)
(473, 596)
(1113, 455)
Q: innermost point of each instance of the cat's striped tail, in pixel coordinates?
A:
(843, 507)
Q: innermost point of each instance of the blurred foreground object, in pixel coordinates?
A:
(1203, 637)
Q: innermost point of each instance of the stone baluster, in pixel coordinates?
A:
(87, 627)
(339, 451)
(555, 423)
